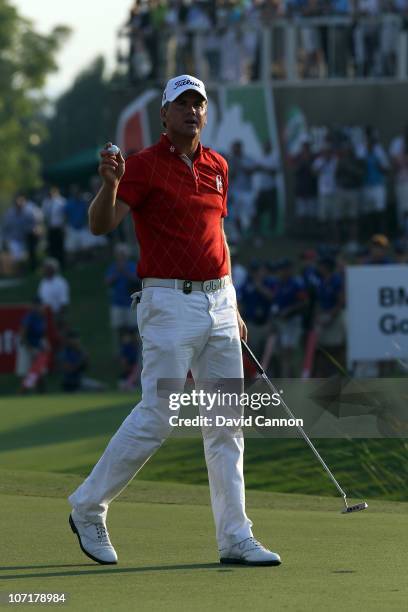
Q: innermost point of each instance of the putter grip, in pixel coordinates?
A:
(252, 357)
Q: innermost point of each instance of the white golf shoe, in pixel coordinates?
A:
(249, 552)
(94, 540)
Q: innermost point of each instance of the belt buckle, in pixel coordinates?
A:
(187, 286)
(211, 285)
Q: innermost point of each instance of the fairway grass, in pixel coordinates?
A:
(168, 559)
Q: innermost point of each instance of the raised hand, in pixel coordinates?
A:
(111, 167)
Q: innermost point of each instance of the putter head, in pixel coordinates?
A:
(355, 508)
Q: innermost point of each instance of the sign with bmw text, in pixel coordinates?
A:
(377, 312)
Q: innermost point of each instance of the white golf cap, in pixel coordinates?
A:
(175, 87)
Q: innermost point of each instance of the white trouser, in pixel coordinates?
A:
(197, 331)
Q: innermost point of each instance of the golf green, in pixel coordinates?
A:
(168, 559)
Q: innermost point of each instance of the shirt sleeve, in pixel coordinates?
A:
(134, 186)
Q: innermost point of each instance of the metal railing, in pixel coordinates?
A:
(299, 48)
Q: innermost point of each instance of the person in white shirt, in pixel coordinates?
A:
(54, 214)
(266, 201)
(399, 156)
(324, 166)
(53, 289)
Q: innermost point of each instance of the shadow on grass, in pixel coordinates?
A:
(105, 570)
(65, 428)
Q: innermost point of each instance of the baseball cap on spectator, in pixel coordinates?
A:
(175, 87)
(380, 240)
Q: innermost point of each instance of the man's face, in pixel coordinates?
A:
(187, 115)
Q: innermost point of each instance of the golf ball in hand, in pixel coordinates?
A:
(113, 150)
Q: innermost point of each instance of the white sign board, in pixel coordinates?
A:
(377, 312)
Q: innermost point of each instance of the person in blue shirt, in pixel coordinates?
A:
(74, 362)
(122, 280)
(288, 305)
(76, 216)
(329, 318)
(374, 185)
(255, 302)
(32, 340)
(129, 359)
(310, 276)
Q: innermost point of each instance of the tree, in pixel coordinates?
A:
(80, 113)
(26, 58)
(85, 115)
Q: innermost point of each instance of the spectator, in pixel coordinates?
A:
(310, 277)
(266, 202)
(53, 290)
(76, 215)
(379, 251)
(374, 187)
(341, 43)
(129, 359)
(122, 279)
(32, 343)
(35, 233)
(239, 273)
(329, 318)
(54, 214)
(325, 166)
(350, 173)
(305, 188)
(74, 362)
(241, 192)
(366, 38)
(399, 156)
(18, 224)
(256, 298)
(289, 302)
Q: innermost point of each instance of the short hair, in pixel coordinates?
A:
(165, 106)
(51, 262)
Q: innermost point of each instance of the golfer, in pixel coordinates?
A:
(176, 191)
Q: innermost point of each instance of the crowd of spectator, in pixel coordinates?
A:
(284, 302)
(222, 39)
(349, 188)
(48, 223)
(346, 185)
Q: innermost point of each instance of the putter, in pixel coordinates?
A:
(347, 509)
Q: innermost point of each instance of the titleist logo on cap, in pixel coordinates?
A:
(178, 84)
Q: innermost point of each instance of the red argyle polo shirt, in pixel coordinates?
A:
(177, 211)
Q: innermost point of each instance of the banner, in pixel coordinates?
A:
(377, 313)
(10, 322)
